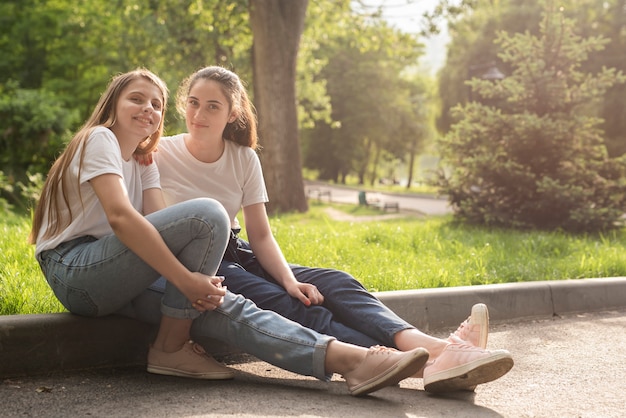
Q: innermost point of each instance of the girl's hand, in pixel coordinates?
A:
(306, 293)
(143, 159)
(205, 293)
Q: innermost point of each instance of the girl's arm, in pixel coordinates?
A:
(141, 237)
(271, 257)
(152, 201)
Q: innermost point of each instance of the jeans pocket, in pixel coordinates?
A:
(75, 300)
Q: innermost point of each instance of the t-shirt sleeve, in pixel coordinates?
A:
(102, 155)
(254, 190)
(150, 178)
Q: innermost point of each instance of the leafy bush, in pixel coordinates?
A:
(5, 207)
(530, 155)
(32, 128)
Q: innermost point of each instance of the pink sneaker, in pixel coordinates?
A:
(475, 329)
(383, 367)
(462, 367)
(190, 361)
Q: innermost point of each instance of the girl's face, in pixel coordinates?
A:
(139, 110)
(207, 110)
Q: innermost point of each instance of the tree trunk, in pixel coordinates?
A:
(409, 180)
(375, 166)
(277, 26)
(363, 164)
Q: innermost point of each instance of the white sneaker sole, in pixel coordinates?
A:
(480, 316)
(467, 376)
(167, 371)
(403, 369)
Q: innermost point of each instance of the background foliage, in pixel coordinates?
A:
(529, 154)
(366, 109)
(475, 24)
(65, 52)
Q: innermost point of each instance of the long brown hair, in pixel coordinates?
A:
(243, 130)
(104, 114)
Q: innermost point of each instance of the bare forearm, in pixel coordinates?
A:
(273, 261)
(265, 247)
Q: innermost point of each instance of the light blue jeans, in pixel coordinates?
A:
(97, 277)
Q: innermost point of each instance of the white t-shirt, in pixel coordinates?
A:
(102, 156)
(235, 180)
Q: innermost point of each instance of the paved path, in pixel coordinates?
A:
(564, 367)
(408, 202)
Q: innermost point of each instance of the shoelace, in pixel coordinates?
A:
(373, 350)
(197, 348)
(380, 349)
(468, 347)
(463, 329)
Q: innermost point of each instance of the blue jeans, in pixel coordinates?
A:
(96, 277)
(349, 312)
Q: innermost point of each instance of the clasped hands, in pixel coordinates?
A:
(210, 295)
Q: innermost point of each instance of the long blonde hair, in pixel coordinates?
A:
(104, 114)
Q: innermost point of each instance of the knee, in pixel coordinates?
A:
(211, 211)
(210, 206)
(324, 278)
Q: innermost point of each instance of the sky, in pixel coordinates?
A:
(406, 16)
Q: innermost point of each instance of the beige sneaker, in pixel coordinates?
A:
(475, 329)
(462, 367)
(383, 367)
(190, 361)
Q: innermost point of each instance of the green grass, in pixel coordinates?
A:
(435, 252)
(23, 289)
(394, 254)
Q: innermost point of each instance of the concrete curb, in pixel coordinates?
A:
(40, 344)
(435, 309)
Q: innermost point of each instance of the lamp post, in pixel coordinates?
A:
(487, 71)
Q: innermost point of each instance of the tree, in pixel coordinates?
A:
(277, 26)
(70, 50)
(364, 73)
(415, 125)
(609, 19)
(473, 25)
(539, 162)
(34, 124)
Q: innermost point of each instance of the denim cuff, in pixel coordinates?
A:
(319, 358)
(179, 313)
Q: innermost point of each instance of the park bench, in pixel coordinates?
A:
(377, 202)
(318, 192)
